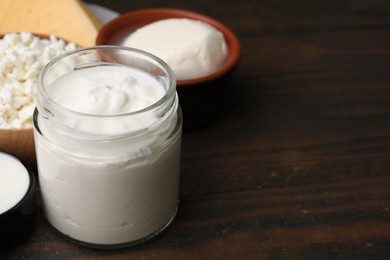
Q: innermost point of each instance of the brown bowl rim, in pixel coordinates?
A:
(149, 15)
(16, 129)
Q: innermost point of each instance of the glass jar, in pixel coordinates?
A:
(108, 179)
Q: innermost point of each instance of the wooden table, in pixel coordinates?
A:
(298, 165)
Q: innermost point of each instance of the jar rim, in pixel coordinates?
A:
(169, 93)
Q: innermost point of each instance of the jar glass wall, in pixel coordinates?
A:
(108, 161)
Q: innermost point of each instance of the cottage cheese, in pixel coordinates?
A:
(22, 57)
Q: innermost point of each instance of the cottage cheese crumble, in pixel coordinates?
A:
(22, 57)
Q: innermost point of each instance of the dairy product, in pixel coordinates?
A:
(191, 48)
(109, 90)
(109, 202)
(109, 169)
(22, 57)
(70, 19)
(14, 182)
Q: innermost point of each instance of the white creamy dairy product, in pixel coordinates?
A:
(14, 182)
(109, 175)
(106, 90)
(191, 48)
(109, 202)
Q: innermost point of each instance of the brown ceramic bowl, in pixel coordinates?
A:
(201, 99)
(20, 142)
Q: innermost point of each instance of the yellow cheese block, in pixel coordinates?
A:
(68, 19)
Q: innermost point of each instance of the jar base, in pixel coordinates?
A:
(116, 246)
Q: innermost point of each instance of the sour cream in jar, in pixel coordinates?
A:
(108, 138)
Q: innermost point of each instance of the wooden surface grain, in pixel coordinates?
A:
(298, 165)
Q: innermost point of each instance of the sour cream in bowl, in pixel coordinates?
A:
(17, 197)
(202, 52)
